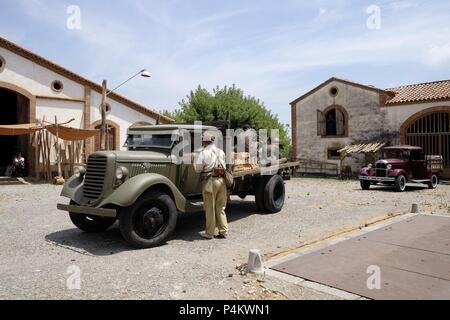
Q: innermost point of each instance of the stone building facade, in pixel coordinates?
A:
(340, 112)
(32, 87)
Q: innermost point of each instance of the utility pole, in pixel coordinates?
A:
(103, 130)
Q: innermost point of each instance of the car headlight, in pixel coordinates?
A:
(121, 173)
(79, 172)
(389, 166)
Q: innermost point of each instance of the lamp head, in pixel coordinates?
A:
(145, 73)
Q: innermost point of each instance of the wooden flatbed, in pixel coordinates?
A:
(266, 170)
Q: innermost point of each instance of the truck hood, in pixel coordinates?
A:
(139, 156)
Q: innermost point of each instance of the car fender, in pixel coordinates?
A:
(133, 188)
(73, 189)
(398, 172)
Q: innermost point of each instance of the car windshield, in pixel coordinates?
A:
(395, 154)
(135, 141)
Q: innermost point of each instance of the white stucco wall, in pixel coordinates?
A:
(36, 79)
(67, 104)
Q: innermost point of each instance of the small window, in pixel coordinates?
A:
(335, 123)
(333, 154)
(2, 64)
(334, 91)
(57, 86)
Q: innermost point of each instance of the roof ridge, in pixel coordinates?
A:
(418, 84)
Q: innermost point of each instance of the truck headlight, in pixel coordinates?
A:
(121, 173)
(79, 172)
(389, 166)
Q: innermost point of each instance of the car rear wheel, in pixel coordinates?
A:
(400, 183)
(365, 185)
(150, 221)
(433, 182)
(274, 194)
(90, 224)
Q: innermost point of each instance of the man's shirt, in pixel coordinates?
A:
(208, 159)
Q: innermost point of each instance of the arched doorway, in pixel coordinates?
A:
(15, 109)
(430, 129)
(112, 137)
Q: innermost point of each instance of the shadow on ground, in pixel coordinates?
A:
(111, 242)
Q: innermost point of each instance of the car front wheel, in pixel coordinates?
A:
(400, 183)
(365, 185)
(150, 221)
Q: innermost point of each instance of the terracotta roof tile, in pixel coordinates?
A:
(423, 92)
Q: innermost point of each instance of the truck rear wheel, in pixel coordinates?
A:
(90, 224)
(259, 193)
(274, 194)
(365, 184)
(400, 183)
(433, 182)
(150, 221)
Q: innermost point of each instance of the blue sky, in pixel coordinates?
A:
(274, 50)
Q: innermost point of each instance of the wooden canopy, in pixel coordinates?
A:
(64, 133)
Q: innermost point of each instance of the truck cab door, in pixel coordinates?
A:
(190, 183)
(418, 165)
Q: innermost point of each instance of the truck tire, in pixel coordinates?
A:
(433, 182)
(400, 183)
(150, 221)
(259, 193)
(90, 224)
(365, 184)
(274, 194)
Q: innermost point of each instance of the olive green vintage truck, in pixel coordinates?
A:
(147, 187)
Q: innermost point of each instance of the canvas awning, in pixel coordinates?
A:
(370, 147)
(19, 129)
(72, 134)
(64, 133)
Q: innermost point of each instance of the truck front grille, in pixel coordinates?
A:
(381, 170)
(95, 177)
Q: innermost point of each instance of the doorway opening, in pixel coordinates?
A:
(15, 110)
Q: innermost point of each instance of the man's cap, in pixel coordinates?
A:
(208, 137)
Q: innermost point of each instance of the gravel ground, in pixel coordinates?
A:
(38, 244)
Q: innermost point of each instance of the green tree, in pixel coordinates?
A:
(202, 105)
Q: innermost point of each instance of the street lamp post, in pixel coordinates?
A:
(104, 128)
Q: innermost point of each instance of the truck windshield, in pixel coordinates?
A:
(137, 141)
(395, 154)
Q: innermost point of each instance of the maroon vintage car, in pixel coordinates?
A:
(401, 165)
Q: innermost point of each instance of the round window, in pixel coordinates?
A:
(2, 63)
(334, 91)
(57, 86)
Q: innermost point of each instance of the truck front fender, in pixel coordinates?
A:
(132, 189)
(73, 189)
(397, 172)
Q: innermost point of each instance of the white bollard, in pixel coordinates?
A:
(255, 263)
(415, 208)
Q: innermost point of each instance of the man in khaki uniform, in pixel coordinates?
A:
(210, 162)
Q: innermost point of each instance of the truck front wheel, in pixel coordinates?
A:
(400, 183)
(150, 221)
(433, 182)
(365, 184)
(90, 224)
